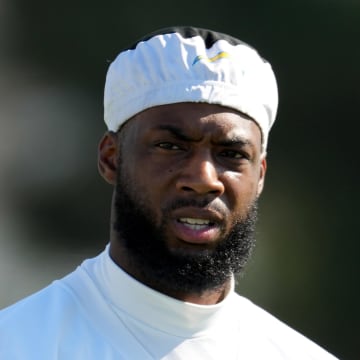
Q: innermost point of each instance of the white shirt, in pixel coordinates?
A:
(99, 312)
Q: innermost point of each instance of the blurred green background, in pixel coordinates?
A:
(54, 208)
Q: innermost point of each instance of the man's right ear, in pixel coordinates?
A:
(108, 157)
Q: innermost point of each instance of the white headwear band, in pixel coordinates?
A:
(185, 64)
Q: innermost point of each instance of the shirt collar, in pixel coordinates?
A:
(127, 295)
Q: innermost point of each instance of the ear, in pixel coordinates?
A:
(108, 157)
(263, 166)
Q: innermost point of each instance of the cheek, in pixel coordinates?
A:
(148, 185)
(145, 164)
(241, 190)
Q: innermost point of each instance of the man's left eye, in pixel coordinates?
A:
(233, 154)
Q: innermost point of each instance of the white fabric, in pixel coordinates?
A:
(99, 312)
(168, 68)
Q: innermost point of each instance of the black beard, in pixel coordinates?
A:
(177, 270)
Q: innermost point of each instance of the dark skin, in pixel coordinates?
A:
(188, 151)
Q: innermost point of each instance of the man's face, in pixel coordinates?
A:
(187, 182)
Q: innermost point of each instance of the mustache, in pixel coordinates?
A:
(203, 203)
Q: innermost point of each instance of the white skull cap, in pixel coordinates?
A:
(188, 64)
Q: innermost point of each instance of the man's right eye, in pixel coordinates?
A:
(168, 146)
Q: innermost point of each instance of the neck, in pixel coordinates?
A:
(207, 297)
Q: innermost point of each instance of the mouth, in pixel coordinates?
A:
(196, 224)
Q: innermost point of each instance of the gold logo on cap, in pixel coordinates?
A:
(220, 55)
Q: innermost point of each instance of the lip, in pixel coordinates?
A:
(196, 234)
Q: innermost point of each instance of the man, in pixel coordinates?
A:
(188, 113)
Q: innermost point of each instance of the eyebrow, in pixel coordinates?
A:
(176, 131)
(235, 140)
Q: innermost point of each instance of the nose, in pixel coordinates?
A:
(200, 176)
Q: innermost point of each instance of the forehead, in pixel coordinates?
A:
(197, 120)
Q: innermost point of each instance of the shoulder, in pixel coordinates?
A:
(59, 302)
(274, 336)
(45, 304)
(40, 319)
(69, 319)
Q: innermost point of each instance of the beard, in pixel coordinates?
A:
(177, 270)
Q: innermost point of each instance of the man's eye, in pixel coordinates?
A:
(233, 154)
(168, 146)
